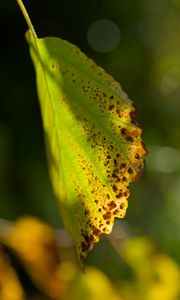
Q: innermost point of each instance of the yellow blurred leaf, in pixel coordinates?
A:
(93, 285)
(166, 282)
(156, 275)
(34, 242)
(10, 288)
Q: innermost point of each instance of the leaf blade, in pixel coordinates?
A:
(93, 143)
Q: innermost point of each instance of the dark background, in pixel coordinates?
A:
(146, 62)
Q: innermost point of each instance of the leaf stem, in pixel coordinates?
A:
(27, 18)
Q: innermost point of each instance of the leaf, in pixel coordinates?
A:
(10, 287)
(94, 286)
(93, 142)
(35, 245)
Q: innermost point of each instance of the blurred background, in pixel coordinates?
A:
(138, 43)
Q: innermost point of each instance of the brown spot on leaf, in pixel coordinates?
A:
(123, 131)
(107, 215)
(135, 133)
(144, 147)
(96, 231)
(123, 165)
(129, 138)
(85, 237)
(85, 247)
(112, 205)
(115, 212)
(86, 211)
(130, 170)
(115, 161)
(119, 195)
(118, 179)
(137, 156)
(133, 115)
(111, 107)
(124, 178)
(91, 238)
(113, 175)
(115, 188)
(122, 206)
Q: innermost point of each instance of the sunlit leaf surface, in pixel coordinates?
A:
(93, 142)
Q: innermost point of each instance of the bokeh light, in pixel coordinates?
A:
(163, 159)
(103, 35)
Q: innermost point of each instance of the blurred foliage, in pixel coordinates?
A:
(147, 63)
(36, 248)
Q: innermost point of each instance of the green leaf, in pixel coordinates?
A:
(93, 143)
